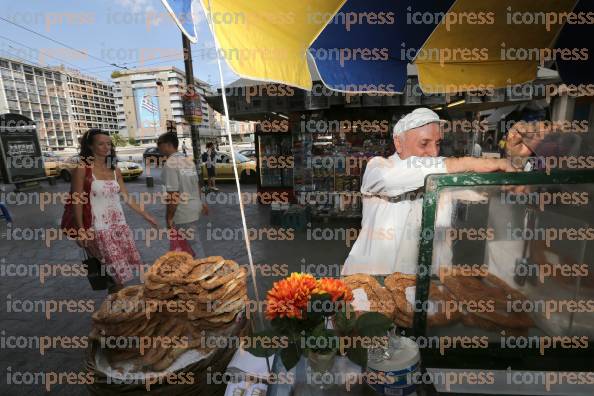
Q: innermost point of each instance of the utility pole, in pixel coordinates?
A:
(188, 107)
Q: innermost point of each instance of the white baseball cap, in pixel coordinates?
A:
(414, 119)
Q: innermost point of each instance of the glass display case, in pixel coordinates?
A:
(506, 260)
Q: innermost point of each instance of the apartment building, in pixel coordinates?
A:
(241, 131)
(146, 98)
(39, 94)
(63, 102)
(92, 103)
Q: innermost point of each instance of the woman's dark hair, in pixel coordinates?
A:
(86, 154)
(209, 145)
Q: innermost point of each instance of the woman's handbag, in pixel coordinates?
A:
(68, 225)
(96, 273)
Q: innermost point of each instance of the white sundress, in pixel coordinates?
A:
(113, 243)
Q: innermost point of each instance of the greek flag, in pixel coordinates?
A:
(181, 12)
(147, 103)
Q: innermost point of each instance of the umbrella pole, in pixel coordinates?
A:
(237, 184)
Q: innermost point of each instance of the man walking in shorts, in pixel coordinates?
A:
(184, 205)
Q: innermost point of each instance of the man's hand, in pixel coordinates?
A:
(524, 135)
(470, 164)
(205, 209)
(493, 165)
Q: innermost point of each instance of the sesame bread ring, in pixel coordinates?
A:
(225, 273)
(126, 305)
(192, 288)
(203, 324)
(380, 298)
(130, 292)
(234, 288)
(399, 280)
(467, 288)
(402, 319)
(441, 297)
(357, 279)
(204, 268)
(224, 318)
(206, 296)
(504, 319)
(150, 285)
(171, 266)
(170, 328)
(402, 303)
(210, 259)
(128, 329)
(215, 310)
(471, 320)
(160, 294)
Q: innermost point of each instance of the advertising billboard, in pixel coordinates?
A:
(147, 108)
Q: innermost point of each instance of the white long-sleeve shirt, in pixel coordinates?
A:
(389, 237)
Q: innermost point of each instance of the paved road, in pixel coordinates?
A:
(221, 235)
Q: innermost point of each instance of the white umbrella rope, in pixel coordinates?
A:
(237, 184)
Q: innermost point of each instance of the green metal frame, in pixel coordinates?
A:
(492, 357)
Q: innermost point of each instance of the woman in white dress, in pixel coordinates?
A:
(107, 236)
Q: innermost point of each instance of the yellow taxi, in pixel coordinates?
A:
(50, 163)
(246, 168)
(130, 170)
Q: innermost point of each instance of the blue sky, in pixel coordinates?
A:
(132, 33)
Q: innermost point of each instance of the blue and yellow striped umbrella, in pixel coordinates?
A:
(367, 46)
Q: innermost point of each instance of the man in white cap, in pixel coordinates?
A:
(392, 203)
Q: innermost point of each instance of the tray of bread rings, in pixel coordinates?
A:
(162, 325)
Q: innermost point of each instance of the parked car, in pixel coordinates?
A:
(50, 162)
(246, 168)
(130, 170)
(250, 153)
(153, 157)
(65, 167)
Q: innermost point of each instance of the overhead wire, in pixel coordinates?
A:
(61, 43)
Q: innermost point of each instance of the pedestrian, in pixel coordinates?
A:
(209, 158)
(109, 237)
(185, 148)
(184, 205)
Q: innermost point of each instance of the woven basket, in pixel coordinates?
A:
(217, 362)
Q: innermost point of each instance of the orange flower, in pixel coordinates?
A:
(289, 297)
(336, 288)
